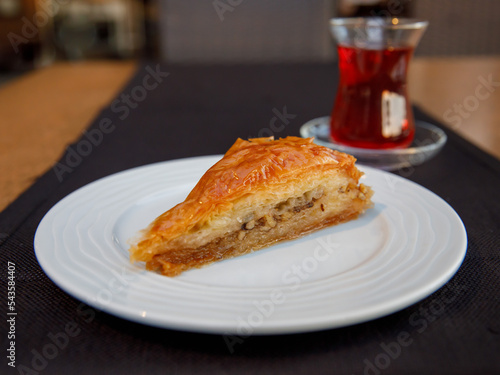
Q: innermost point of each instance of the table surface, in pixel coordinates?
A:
(51, 107)
(47, 109)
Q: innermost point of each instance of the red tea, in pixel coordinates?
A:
(372, 109)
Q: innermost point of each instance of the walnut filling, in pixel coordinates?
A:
(222, 248)
(282, 211)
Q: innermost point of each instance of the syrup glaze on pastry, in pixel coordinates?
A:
(261, 192)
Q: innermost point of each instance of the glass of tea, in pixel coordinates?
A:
(372, 109)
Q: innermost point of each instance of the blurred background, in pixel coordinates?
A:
(35, 33)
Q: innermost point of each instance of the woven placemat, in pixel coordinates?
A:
(168, 112)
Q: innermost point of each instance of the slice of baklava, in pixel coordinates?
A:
(261, 192)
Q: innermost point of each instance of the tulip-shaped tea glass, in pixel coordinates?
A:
(372, 109)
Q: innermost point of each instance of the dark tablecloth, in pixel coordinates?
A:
(168, 112)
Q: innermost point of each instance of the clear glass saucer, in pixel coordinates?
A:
(428, 141)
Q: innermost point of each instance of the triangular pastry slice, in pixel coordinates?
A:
(261, 192)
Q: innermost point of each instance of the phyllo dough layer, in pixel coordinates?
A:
(261, 192)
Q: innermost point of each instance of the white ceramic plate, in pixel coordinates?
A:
(406, 247)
